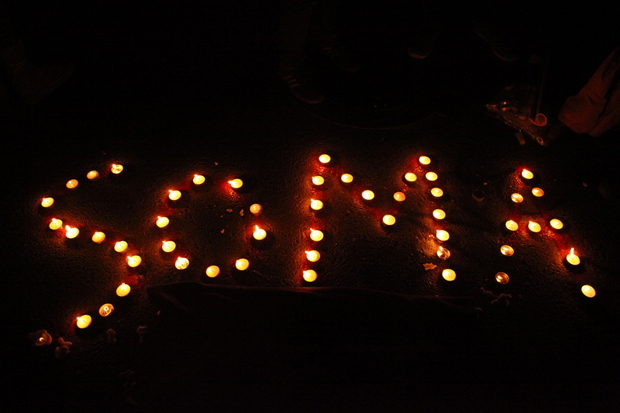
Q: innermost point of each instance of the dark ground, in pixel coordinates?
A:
(171, 90)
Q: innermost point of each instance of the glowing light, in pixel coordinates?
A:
(242, 264)
(162, 222)
(173, 194)
(389, 219)
(116, 168)
(534, 226)
(507, 250)
(313, 255)
(71, 232)
(325, 159)
(368, 195)
(316, 235)
(572, 258)
(181, 263)
(47, 202)
(236, 183)
(439, 214)
(318, 180)
(256, 209)
(84, 321)
(399, 196)
(73, 183)
(511, 225)
(437, 192)
(431, 176)
(168, 246)
(316, 204)
(556, 224)
(98, 237)
(55, 224)
(516, 198)
(259, 233)
(443, 253)
(123, 290)
(346, 178)
(448, 274)
(410, 177)
(213, 271)
(424, 160)
(106, 309)
(310, 276)
(588, 291)
(120, 246)
(502, 278)
(134, 260)
(198, 179)
(442, 235)
(537, 192)
(527, 174)
(92, 175)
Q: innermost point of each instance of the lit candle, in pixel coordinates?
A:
(443, 235)
(236, 183)
(443, 253)
(71, 232)
(389, 219)
(310, 276)
(55, 224)
(346, 178)
(588, 291)
(313, 255)
(213, 271)
(424, 160)
(316, 235)
(242, 264)
(516, 198)
(399, 196)
(507, 250)
(368, 195)
(534, 226)
(162, 222)
(316, 204)
(448, 274)
(259, 233)
(73, 183)
(168, 246)
(181, 263)
(123, 290)
(431, 176)
(436, 192)
(325, 159)
(537, 192)
(198, 179)
(98, 237)
(134, 260)
(120, 246)
(105, 310)
(527, 174)
(47, 202)
(92, 175)
(410, 177)
(116, 168)
(511, 225)
(502, 278)
(556, 224)
(439, 214)
(173, 194)
(572, 258)
(256, 209)
(318, 180)
(84, 321)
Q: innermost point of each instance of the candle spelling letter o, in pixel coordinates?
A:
(313, 255)
(168, 246)
(120, 246)
(71, 232)
(537, 192)
(213, 271)
(242, 264)
(123, 290)
(516, 198)
(181, 263)
(84, 321)
(424, 160)
(389, 219)
(507, 250)
(134, 260)
(198, 179)
(534, 226)
(325, 159)
(73, 183)
(431, 176)
(588, 291)
(368, 195)
(256, 209)
(318, 180)
(106, 309)
(92, 175)
(316, 204)
(511, 225)
(556, 224)
(310, 276)
(162, 222)
(316, 235)
(399, 196)
(573, 258)
(439, 214)
(259, 233)
(443, 235)
(437, 192)
(502, 278)
(410, 177)
(174, 195)
(98, 237)
(346, 178)
(527, 174)
(448, 274)
(47, 202)
(55, 224)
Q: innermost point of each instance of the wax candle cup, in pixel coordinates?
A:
(431, 176)
(236, 183)
(502, 278)
(573, 258)
(389, 220)
(181, 263)
(259, 233)
(439, 214)
(134, 260)
(213, 271)
(346, 178)
(442, 235)
(534, 226)
(55, 224)
(92, 175)
(448, 274)
(120, 246)
(410, 177)
(507, 250)
(71, 232)
(313, 255)
(556, 224)
(84, 321)
(168, 246)
(47, 202)
(105, 310)
(316, 235)
(399, 196)
(162, 222)
(424, 160)
(511, 225)
(174, 194)
(527, 174)
(318, 180)
(242, 264)
(256, 209)
(98, 237)
(516, 198)
(588, 291)
(73, 183)
(437, 192)
(310, 276)
(316, 204)
(198, 179)
(443, 253)
(116, 168)
(368, 195)
(325, 159)
(537, 192)
(123, 290)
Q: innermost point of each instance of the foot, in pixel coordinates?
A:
(299, 86)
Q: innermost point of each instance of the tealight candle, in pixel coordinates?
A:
(318, 180)
(181, 263)
(588, 291)
(73, 183)
(162, 222)
(424, 160)
(368, 195)
(410, 177)
(507, 250)
(236, 183)
(325, 159)
(168, 246)
(213, 271)
(256, 209)
(443, 235)
(346, 178)
(134, 260)
(389, 219)
(399, 196)
(316, 204)
(98, 237)
(443, 253)
(437, 192)
(116, 168)
(259, 233)
(313, 255)
(537, 192)
(47, 202)
(173, 194)
(527, 174)
(431, 176)
(92, 175)
(120, 246)
(310, 276)
(502, 278)
(534, 226)
(316, 235)
(439, 214)
(198, 179)
(106, 309)
(84, 321)
(516, 198)
(123, 290)
(242, 264)
(511, 225)
(71, 232)
(55, 224)
(448, 274)
(572, 258)
(556, 224)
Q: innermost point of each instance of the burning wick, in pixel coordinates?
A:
(316, 204)
(313, 255)
(325, 159)
(318, 180)
(527, 174)
(511, 225)
(92, 175)
(399, 196)
(134, 260)
(242, 264)
(534, 226)
(572, 258)
(98, 237)
(174, 194)
(588, 291)
(439, 214)
(162, 222)
(256, 209)
(410, 177)
(443, 235)
(120, 246)
(116, 168)
(47, 202)
(55, 224)
(507, 250)
(556, 224)
(105, 310)
(181, 263)
(213, 271)
(168, 246)
(198, 179)
(431, 176)
(537, 192)
(310, 276)
(437, 192)
(443, 253)
(259, 233)
(236, 183)
(71, 232)
(424, 160)
(516, 198)
(84, 321)
(123, 290)
(73, 183)
(368, 195)
(346, 178)
(502, 278)
(316, 235)
(389, 220)
(448, 274)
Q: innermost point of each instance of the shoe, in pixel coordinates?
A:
(499, 45)
(342, 60)
(299, 85)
